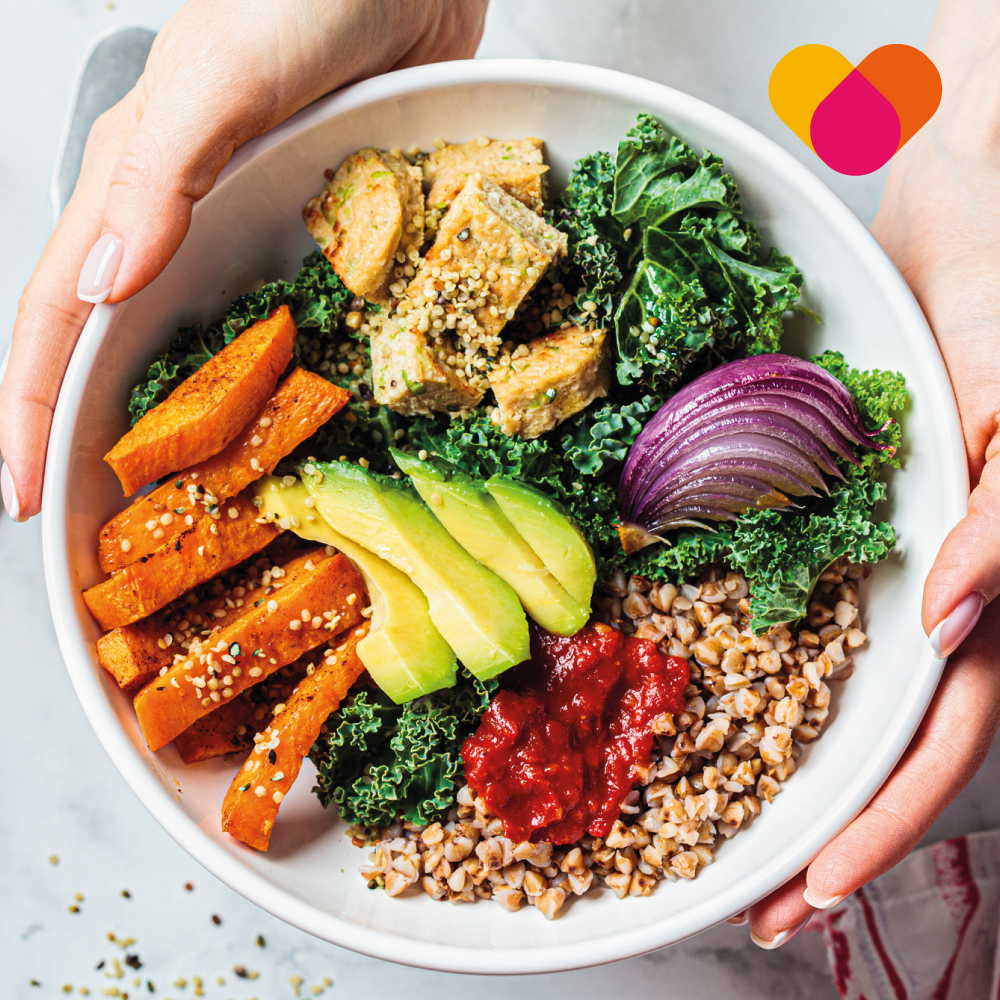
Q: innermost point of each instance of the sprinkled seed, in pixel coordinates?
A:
(126, 545)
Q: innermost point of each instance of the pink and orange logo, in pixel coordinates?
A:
(855, 119)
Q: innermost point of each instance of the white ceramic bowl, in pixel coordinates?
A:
(248, 231)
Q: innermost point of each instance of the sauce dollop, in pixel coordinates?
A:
(556, 753)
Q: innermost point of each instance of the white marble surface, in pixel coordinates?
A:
(63, 796)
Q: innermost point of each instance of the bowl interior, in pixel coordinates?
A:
(248, 231)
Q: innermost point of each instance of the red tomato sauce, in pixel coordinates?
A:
(556, 752)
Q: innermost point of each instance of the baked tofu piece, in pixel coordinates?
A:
(563, 372)
(372, 209)
(490, 252)
(409, 377)
(515, 164)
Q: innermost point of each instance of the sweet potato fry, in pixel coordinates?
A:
(298, 408)
(209, 547)
(134, 654)
(320, 594)
(206, 411)
(232, 726)
(252, 802)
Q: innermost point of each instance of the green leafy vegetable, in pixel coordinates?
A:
(380, 762)
(594, 262)
(699, 293)
(659, 176)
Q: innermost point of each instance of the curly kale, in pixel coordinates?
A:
(699, 293)
(316, 296)
(380, 762)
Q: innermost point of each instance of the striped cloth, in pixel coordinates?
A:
(929, 929)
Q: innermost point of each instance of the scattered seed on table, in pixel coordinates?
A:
(216, 919)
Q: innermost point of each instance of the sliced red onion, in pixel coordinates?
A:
(743, 435)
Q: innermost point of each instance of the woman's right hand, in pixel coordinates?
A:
(219, 73)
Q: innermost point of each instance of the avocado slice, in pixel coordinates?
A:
(404, 653)
(463, 505)
(551, 532)
(478, 614)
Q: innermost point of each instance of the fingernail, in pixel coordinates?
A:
(821, 904)
(738, 920)
(10, 502)
(949, 634)
(782, 937)
(100, 269)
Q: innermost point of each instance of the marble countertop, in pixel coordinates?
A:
(64, 798)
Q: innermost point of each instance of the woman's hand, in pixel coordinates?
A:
(939, 221)
(219, 73)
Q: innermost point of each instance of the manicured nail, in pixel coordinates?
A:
(949, 634)
(782, 937)
(738, 920)
(100, 269)
(10, 501)
(821, 904)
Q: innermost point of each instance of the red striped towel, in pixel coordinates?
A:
(929, 929)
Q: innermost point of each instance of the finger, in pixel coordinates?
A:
(966, 573)
(777, 918)
(949, 748)
(50, 318)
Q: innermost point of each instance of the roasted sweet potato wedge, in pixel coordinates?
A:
(319, 594)
(298, 408)
(134, 654)
(252, 802)
(209, 547)
(206, 411)
(232, 726)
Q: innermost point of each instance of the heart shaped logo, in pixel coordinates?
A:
(855, 119)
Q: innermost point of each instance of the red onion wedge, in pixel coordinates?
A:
(746, 434)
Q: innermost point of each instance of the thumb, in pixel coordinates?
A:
(965, 576)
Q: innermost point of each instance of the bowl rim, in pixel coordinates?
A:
(283, 904)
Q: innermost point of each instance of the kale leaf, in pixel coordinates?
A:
(699, 294)
(380, 762)
(658, 176)
(316, 296)
(595, 261)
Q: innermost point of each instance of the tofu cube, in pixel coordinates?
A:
(408, 377)
(562, 373)
(371, 210)
(514, 164)
(490, 251)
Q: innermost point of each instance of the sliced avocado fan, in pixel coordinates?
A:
(404, 653)
(464, 506)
